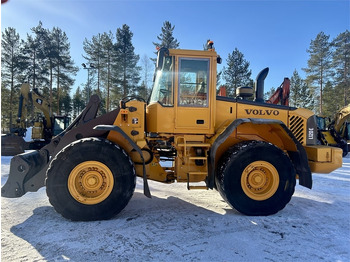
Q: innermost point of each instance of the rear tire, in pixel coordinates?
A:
(90, 179)
(256, 178)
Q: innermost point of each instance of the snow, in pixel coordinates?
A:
(28, 135)
(181, 225)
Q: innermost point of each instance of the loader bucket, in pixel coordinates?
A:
(12, 145)
(27, 173)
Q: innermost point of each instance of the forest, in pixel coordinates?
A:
(114, 71)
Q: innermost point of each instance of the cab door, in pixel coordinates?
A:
(193, 114)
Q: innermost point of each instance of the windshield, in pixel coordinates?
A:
(59, 126)
(163, 84)
(61, 123)
(321, 123)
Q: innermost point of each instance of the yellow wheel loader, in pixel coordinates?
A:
(250, 151)
(335, 132)
(45, 125)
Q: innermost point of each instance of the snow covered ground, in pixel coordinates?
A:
(181, 225)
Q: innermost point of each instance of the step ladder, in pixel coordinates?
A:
(198, 160)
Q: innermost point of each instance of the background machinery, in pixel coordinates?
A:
(250, 151)
(335, 132)
(45, 125)
(281, 95)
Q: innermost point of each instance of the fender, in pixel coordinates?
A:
(146, 190)
(298, 157)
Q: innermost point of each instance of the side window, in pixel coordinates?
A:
(162, 91)
(193, 82)
(59, 126)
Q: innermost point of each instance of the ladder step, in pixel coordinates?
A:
(197, 173)
(198, 158)
(195, 145)
(195, 187)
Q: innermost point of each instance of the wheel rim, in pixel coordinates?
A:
(90, 182)
(260, 180)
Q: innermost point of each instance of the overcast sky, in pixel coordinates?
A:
(269, 33)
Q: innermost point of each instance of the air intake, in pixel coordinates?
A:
(296, 125)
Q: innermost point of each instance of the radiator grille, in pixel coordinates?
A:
(296, 125)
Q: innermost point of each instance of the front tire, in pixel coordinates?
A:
(90, 179)
(256, 178)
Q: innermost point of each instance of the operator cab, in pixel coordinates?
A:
(184, 100)
(322, 123)
(60, 124)
(193, 84)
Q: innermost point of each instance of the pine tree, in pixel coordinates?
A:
(64, 65)
(146, 85)
(143, 91)
(218, 79)
(6, 106)
(32, 50)
(10, 70)
(269, 93)
(94, 56)
(237, 72)
(300, 94)
(49, 53)
(319, 65)
(78, 102)
(126, 71)
(332, 100)
(166, 38)
(107, 61)
(42, 60)
(65, 103)
(341, 64)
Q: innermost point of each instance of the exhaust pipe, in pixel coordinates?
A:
(259, 85)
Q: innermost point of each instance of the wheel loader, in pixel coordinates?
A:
(251, 152)
(45, 125)
(335, 132)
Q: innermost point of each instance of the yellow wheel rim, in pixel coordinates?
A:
(90, 182)
(260, 180)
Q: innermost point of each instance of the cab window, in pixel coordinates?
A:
(193, 82)
(163, 84)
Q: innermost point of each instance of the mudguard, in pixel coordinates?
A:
(146, 190)
(298, 157)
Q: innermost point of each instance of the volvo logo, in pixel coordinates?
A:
(262, 112)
